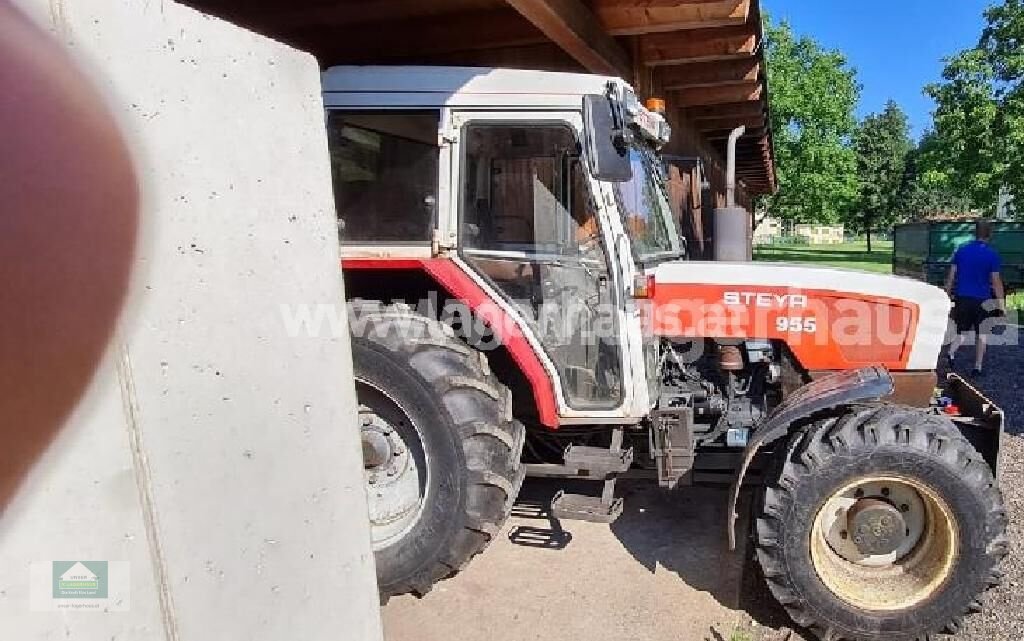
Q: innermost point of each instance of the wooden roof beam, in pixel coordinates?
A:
(739, 109)
(748, 158)
(573, 27)
(716, 136)
(729, 123)
(709, 74)
(702, 45)
(752, 158)
(635, 17)
(700, 96)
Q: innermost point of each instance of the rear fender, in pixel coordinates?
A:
(834, 390)
(446, 276)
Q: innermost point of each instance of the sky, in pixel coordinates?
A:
(897, 46)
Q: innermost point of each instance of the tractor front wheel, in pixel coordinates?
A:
(441, 451)
(883, 524)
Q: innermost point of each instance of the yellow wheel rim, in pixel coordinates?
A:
(894, 579)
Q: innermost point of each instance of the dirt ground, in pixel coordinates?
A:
(663, 572)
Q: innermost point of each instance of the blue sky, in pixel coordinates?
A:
(897, 46)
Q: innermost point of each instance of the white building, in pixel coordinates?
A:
(821, 234)
(1005, 209)
(769, 229)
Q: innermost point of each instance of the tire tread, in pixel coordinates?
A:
(860, 428)
(492, 440)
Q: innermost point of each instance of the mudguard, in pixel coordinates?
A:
(834, 390)
(981, 421)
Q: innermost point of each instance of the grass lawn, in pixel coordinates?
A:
(1015, 301)
(847, 256)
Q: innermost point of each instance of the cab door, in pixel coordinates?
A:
(528, 224)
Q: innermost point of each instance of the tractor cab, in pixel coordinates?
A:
(544, 189)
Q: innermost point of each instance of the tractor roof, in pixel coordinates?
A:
(458, 86)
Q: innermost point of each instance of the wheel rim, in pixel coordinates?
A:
(884, 543)
(394, 466)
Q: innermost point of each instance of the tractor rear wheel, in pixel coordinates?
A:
(883, 524)
(441, 451)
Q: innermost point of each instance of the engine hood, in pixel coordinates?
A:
(830, 318)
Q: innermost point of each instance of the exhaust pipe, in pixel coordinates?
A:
(730, 178)
(733, 233)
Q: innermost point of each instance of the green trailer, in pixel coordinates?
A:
(924, 250)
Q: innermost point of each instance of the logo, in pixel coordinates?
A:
(80, 586)
(766, 300)
(80, 579)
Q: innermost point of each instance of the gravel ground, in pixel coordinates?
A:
(1003, 616)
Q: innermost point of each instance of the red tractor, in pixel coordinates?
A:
(516, 278)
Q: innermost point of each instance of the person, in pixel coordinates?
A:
(975, 283)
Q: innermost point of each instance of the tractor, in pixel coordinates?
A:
(521, 303)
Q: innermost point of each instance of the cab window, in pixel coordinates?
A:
(384, 168)
(644, 208)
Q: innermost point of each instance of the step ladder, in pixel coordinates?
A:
(594, 463)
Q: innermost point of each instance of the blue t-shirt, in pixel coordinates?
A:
(975, 263)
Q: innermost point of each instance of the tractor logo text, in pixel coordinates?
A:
(766, 300)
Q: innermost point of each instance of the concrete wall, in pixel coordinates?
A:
(214, 460)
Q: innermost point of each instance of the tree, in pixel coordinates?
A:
(883, 148)
(926, 192)
(977, 148)
(813, 95)
(1003, 42)
(964, 148)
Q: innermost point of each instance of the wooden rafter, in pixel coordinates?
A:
(718, 95)
(717, 136)
(571, 25)
(749, 108)
(702, 45)
(729, 123)
(634, 17)
(709, 74)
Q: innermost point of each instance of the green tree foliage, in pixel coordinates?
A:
(813, 95)
(883, 147)
(976, 147)
(1003, 41)
(964, 155)
(927, 192)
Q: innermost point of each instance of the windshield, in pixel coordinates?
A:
(645, 210)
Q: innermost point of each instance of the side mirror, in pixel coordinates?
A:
(606, 146)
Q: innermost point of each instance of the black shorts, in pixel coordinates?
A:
(970, 313)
